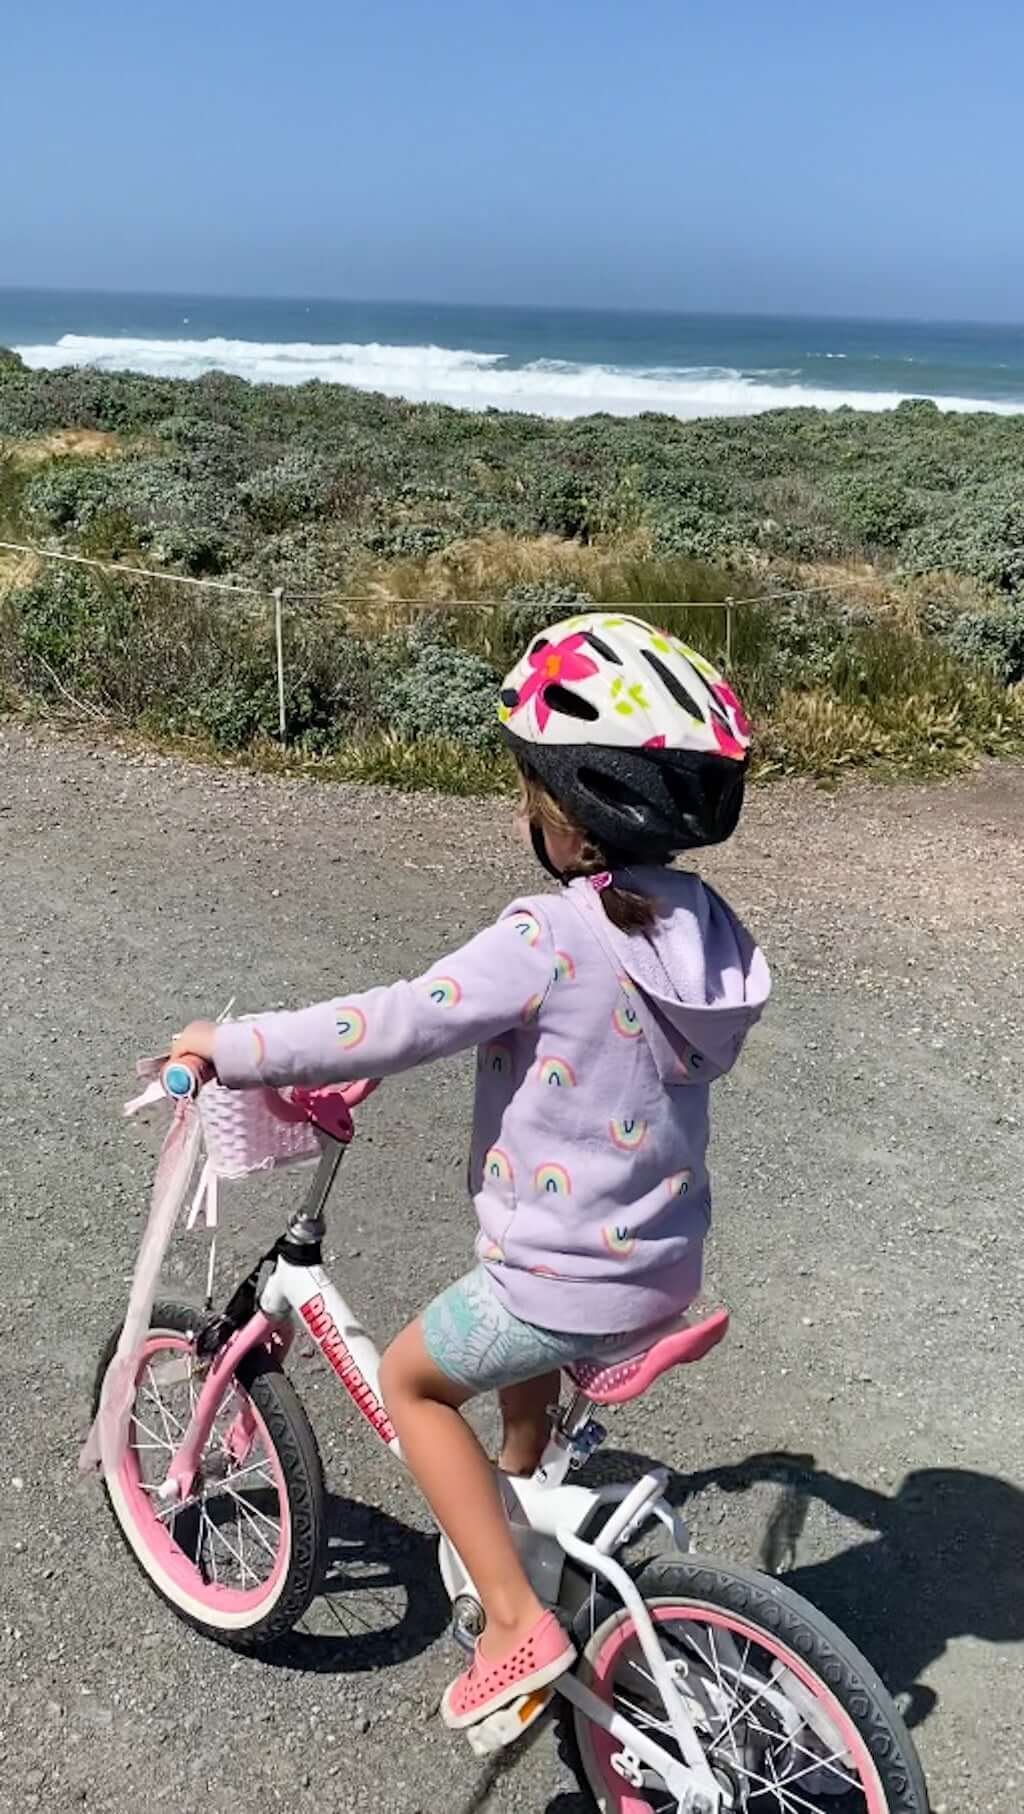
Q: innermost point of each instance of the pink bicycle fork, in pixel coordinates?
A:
(261, 1331)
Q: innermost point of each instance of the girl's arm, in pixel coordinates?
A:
(496, 982)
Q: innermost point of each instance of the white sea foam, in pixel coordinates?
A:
(471, 380)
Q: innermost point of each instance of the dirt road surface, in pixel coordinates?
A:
(869, 1156)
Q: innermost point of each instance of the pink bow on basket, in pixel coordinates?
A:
(328, 1109)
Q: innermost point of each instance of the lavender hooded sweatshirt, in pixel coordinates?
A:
(595, 1053)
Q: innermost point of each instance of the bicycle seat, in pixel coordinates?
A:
(617, 1381)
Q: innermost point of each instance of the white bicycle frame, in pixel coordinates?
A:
(547, 1514)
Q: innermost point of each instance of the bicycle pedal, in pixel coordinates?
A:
(508, 1723)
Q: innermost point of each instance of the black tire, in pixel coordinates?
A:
(784, 1616)
(290, 1432)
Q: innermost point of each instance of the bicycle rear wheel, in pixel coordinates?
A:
(242, 1557)
(793, 1720)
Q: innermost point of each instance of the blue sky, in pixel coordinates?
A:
(826, 157)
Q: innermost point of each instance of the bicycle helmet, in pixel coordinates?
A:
(638, 737)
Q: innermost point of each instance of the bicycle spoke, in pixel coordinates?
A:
(154, 1395)
(814, 1762)
(645, 1720)
(255, 1531)
(156, 1442)
(259, 1468)
(779, 1753)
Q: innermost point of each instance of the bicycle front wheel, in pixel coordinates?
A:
(241, 1558)
(792, 1719)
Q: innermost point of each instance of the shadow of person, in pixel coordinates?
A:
(943, 1558)
(381, 1600)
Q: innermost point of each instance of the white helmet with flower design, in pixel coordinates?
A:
(639, 737)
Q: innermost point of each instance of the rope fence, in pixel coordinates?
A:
(277, 595)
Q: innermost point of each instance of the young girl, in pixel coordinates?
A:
(602, 1013)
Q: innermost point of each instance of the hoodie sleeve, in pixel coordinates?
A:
(497, 981)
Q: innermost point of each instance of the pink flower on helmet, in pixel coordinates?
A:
(550, 665)
(727, 743)
(723, 692)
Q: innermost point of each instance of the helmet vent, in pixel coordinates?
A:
(559, 699)
(674, 685)
(603, 648)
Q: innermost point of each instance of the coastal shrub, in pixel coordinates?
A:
(63, 495)
(790, 642)
(992, 640)
(293, 489)
(799, 484)
(408, 541)
(701, 536)
(873, 511)
(13, 478)
(441, 690)
(980, 532)
(318, 488)
(174, 661)
(527, 610)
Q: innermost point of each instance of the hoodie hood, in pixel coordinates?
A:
(701, 980)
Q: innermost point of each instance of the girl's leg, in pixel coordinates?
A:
(526, 1423)
(458, 1481)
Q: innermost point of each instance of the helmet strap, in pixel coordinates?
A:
(540, 851)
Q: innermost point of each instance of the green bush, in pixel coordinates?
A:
(184, 664)
(64, 495)
(403, 541)
(306, 487)
(980, 532)
(992, 640)
(12, 493)
(872, 510)
(442, 690)
(292, 490)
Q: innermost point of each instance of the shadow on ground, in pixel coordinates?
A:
(943, 1557)
(382, 1600)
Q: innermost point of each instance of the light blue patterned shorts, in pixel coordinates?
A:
(472, 1338)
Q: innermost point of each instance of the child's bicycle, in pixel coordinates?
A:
(701, 1686)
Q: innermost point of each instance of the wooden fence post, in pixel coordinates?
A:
(278, 597)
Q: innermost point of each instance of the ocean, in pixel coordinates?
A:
(556, 362)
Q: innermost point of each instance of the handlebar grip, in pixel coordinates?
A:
(183, 1078)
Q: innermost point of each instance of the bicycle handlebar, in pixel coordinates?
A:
(183, 1078)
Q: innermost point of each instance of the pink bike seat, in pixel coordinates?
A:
(618, 1381)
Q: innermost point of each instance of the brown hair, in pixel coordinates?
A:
(626, 908)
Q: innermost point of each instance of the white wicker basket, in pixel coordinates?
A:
(243, 1133)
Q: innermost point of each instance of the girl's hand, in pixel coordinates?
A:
(195, 1041)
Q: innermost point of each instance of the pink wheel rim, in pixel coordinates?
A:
(622, 1799)
(155, 1533)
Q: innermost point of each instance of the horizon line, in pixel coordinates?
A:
(506, 308)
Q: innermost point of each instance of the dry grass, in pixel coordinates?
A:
(17, 570)
(815, 733)
(487, 566)
(81, 443)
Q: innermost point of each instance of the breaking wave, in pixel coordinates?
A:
(471, 380)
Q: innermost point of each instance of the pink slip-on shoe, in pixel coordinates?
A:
(539, 1658)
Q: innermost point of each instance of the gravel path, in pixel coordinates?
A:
(869, 1155)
